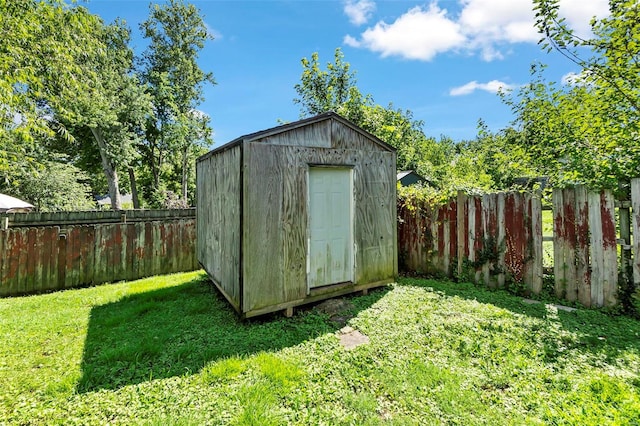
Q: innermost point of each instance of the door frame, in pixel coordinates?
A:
(352, 246)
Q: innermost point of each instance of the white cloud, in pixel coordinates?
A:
(578, 13)
(418, 34)
(359, 11)
(217, 35)
(485, 27)
(493, 86)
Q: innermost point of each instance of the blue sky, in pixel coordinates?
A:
(442, 59)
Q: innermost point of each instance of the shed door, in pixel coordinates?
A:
(330, 226)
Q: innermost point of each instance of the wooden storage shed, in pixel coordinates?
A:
(297, 213)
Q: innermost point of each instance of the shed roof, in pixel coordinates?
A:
(296, 124)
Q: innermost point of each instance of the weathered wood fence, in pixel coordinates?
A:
(496, 239)
(52, 251)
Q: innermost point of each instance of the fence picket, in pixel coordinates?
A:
(609, 246)
(635, 223)
(585, 243)
(535, 203)
(583, 271)
(35, 259)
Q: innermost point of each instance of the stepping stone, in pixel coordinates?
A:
(350, 338)
(564, 308)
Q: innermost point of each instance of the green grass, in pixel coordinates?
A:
(169, 351)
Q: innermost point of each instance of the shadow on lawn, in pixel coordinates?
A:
(178, 330)
(605, 336)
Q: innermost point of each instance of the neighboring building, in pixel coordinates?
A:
(9, 204)
(297, 213)
(409, 177)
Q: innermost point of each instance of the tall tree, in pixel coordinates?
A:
(593, 125)
(63, 69)
(177, 34)
(113, 105)
(40, 44)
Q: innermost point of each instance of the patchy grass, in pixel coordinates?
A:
(169, 350)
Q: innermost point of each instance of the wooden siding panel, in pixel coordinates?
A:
(375, 217)
(317, 135)
(219, 218)
(295, 217)
(343, 137)
(262, 223)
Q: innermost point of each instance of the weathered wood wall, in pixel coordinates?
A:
(275, 188)
(253, 212)
(497, 239)
(44, 258)
(219, 215)
(585, 246)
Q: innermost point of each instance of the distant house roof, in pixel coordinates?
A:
(409, 177)
(10, 204)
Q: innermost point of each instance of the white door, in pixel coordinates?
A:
(330, 226)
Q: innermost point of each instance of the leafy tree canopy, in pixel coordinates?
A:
(588, 131)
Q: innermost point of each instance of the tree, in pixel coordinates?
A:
(334, 89)
(54, 187)
(64, 69)
(40, 44)
(592, 126)
(177, 34)
(112, 105)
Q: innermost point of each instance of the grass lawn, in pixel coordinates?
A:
(169, 350)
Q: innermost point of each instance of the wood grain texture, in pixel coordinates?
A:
(536, 240)
(272, 217)
(583, 269)
(262, 243)
(316, 135)
(501, 235)
(609, 246)
(37, 259)
(559, 243)
(596, 250)
(219, 217)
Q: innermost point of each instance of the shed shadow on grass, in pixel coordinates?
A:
(592, 331)
(178, 330)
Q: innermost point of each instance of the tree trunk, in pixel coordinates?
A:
(110, 171)
(134, 188)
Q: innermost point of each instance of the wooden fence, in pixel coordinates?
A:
(497, 239)
(42, 252)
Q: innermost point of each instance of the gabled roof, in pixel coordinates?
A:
(297, 124)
